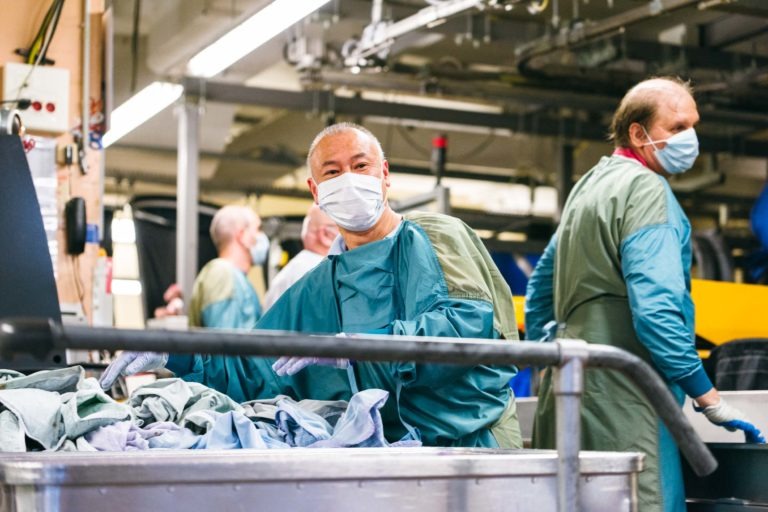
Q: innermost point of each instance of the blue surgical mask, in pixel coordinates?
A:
(260, 250)
(680, 152)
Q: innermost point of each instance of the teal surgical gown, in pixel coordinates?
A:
(617, 272)
(432, 278)
(223, 298)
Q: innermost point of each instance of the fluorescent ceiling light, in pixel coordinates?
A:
(250, 34)
(140, 108)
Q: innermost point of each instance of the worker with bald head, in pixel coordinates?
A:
(222, 296)
(617, 272)
(318, 232)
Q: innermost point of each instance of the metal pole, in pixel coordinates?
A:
(443, 194)
(39, 337)
(187, 190)
(569, 386)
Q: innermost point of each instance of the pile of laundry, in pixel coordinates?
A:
(61, 410)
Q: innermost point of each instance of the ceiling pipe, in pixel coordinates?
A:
(585, 32)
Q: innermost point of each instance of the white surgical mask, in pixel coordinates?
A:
(354, 201)
(260, 250)
(680, 152)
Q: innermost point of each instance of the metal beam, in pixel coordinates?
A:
(318, 102)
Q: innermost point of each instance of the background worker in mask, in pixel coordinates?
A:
(317, 234)
(421, 274)
(617, 272)
(222, 296)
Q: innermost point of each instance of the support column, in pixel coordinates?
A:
(187, 192)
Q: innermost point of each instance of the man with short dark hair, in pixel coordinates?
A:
(617, 272)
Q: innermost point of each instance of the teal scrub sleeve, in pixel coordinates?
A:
(448, 317)
(539, 294)
(227, 314)
(653, 270)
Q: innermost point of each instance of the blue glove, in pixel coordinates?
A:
(292, 365)
(128, 363)
(732, 419)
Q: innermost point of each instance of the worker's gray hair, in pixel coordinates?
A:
(640, 105)
(228, 221)
(336, 129)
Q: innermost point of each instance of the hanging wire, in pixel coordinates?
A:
(40, 44)
(135, 44)
(477, 149)
(412, 143)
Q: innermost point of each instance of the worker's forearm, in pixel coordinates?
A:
(711, 397)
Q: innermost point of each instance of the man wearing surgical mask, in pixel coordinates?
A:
(419, 274)
(617, 272)
(222, 296)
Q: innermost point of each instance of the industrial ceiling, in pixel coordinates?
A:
(523, 89)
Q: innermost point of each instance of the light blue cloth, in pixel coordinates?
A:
(361, 426)
(61, 379)
(90, 408)
(173, 399)
(33, 413)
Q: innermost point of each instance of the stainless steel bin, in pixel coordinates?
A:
(371, 480)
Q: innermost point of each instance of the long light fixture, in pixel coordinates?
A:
(139, 108)
(249, 35)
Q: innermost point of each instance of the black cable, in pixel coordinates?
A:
(59, 6)
(414, 145)
(479, 148)
(135, 44)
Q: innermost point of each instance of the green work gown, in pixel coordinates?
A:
(617, 272)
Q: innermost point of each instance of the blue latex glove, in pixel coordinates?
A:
(129, 363)
(732, 419)
(292, 365)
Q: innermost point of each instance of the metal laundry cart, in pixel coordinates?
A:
(382, 479)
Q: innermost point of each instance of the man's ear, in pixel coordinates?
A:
(313, 188)
(637, 135)
(385, 172)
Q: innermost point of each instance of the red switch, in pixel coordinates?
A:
(36, 105)
(50, 107)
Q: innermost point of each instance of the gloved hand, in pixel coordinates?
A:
(128, 363)
(732, 419)
(292, 365)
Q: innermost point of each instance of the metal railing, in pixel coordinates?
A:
(570, 357)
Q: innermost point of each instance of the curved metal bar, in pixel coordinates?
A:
(39, 337)
(701, 459)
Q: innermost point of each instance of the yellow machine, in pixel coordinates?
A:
(729, 311)
(724, 311)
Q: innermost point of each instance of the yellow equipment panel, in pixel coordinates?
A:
(729, 311)
(724, 311)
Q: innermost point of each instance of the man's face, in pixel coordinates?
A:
(676, 112)
(250, 232)
(348, 151)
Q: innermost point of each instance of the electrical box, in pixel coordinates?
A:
(48, 90)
